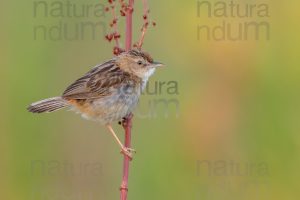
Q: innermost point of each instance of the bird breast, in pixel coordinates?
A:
(113, 107)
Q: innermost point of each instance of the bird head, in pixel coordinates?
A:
(138, 63)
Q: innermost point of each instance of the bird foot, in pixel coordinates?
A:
(128, 152)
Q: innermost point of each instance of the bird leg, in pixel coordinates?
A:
(125, 119)
(127, 151)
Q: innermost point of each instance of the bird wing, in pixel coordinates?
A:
(97, 83)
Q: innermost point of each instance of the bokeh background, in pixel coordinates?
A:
(235, 136)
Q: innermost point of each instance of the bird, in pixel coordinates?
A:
(107, 93)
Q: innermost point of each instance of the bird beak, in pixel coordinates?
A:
(157, 64)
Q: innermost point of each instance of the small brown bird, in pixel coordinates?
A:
(108, 92)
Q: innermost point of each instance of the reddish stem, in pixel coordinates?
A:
(145, 25)
(115, 25)
(141, 41)
(127, 125)
(128, 121)
(128, 34)
(146, 7)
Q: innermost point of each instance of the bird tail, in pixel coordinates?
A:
(48, 105)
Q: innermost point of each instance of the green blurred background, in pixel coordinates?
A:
(235, 136)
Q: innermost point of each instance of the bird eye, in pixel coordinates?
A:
(139, 62)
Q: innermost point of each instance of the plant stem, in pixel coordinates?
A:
(128, 33)
(115, 25)
(127, 125)
(145, 25)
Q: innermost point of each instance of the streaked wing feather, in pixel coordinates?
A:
(97, 82)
